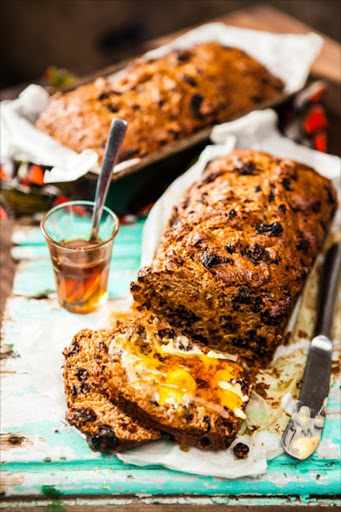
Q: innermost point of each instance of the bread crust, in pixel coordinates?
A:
(163, 100)
(105, 425)
(240, 244)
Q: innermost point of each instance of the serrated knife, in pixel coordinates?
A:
(304, 430)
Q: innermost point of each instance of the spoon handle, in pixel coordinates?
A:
(116, 135)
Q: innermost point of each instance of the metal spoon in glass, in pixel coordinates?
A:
(117, 132)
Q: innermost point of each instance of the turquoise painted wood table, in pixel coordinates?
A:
(35, 456)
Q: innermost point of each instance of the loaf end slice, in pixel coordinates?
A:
(106, 427)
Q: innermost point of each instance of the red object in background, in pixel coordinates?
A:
(311, 94)
(30, 175)
(317, 94)
(60, 200)
(3, 213)
(36, 175)
(320, 141)
(3, 174)
(315, 120)
(306, 121)
(6, 170)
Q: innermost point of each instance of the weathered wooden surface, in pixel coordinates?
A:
(175, 504)
(7, 266)
(64, 466)
(104, 483)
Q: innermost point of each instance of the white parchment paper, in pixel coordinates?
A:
(288, 56)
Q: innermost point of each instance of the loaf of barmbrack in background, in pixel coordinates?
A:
(171, 98)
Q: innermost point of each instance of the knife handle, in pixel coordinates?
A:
(328, 287)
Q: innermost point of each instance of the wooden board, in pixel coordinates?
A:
(83, 473)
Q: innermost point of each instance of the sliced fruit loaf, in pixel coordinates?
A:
(106, 426)
(171, 383)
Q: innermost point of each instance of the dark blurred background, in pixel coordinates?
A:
(83, 35)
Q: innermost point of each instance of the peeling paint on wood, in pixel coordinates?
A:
(11, 441)
(9, 481)
(61, 463)
(4, 371)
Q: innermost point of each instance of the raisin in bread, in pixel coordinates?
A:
(106, 426)
(163, 99)
(173, 384)
(237, 252)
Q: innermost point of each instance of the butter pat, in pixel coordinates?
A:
(239, 413)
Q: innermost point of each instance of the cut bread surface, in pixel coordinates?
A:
(174, 384)
(106, 427)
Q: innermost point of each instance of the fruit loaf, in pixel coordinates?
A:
(163, 99)
(239, 246)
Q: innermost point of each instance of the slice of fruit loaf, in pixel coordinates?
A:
(106, 426)
(174, 384)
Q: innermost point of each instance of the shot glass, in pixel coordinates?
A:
(81, 266)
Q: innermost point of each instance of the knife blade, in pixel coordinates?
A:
(303, 432)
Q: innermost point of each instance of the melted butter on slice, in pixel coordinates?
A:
(129, 363)
(172, 347)
(117, 341)
(239, 413)
(137, 370)
(305, 446)
(177, 385)
(195, 377)
(234, 388)
(237, 390)
(219, 355)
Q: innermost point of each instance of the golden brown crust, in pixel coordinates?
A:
(106, 426)
(167, 381)
(240, 244)
(162, 99)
